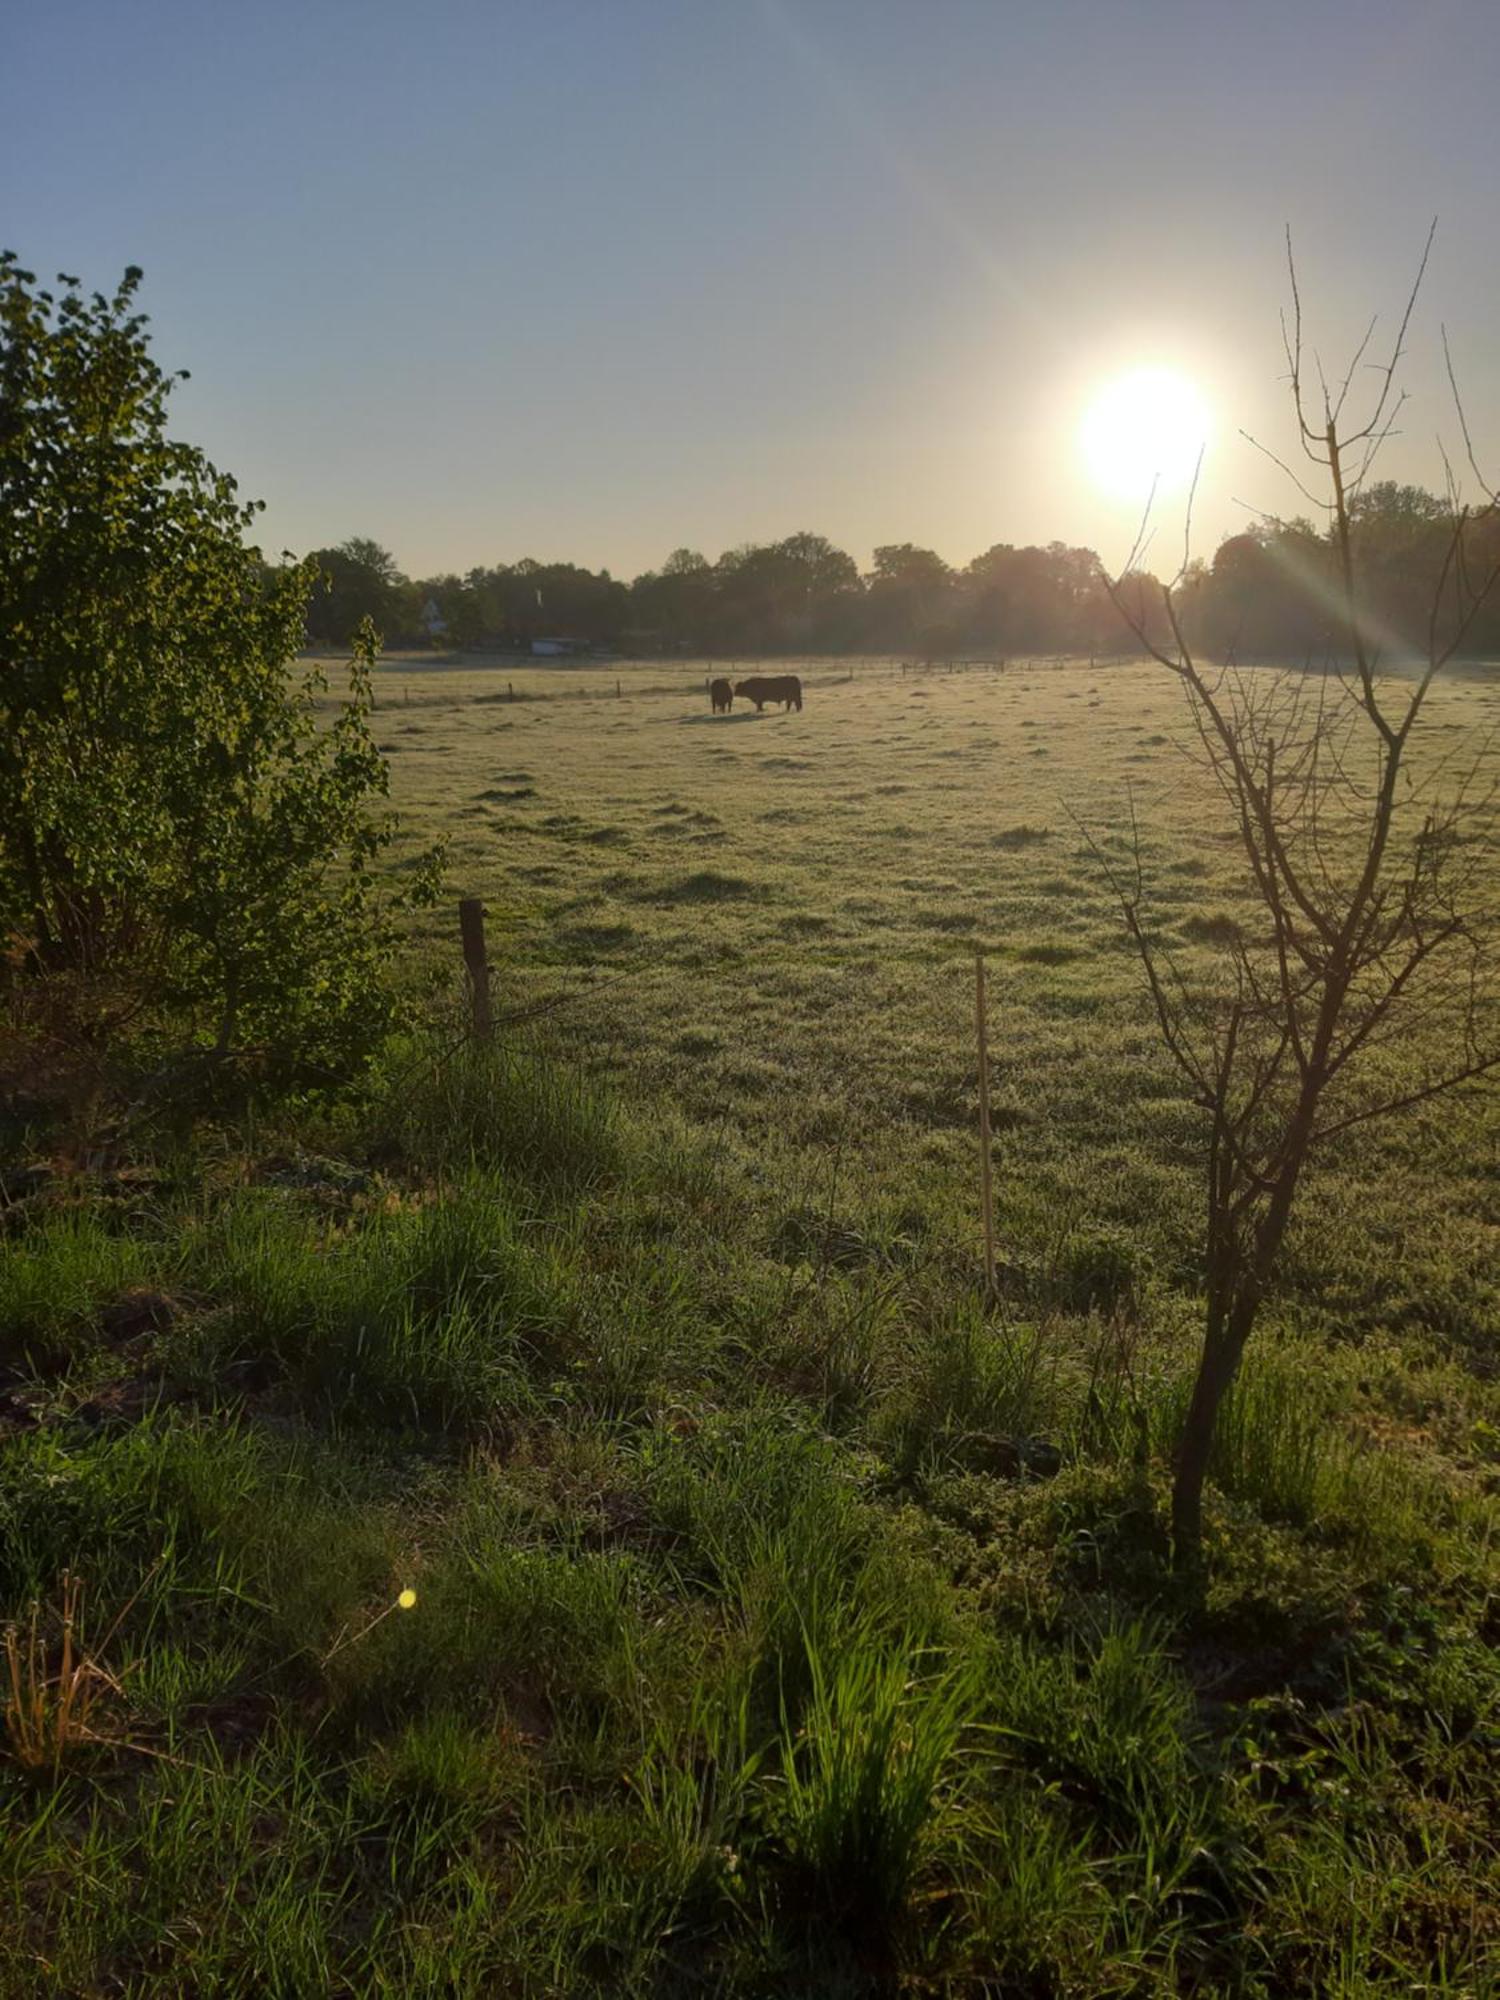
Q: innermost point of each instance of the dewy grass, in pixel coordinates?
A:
(506, 1106)
(787, 1619)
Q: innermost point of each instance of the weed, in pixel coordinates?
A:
(49, 1711)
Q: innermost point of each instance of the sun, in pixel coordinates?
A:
(1143, 430)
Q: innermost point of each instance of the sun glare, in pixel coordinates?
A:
(1144, 428)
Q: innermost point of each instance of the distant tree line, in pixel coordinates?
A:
(1272, 592)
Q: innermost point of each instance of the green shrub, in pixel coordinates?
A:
(176, 825)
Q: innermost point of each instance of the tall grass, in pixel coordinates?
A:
(1284, 1446)
(869, 1773)
(428, 1317)
(56, 1280)
(1107, 1717)
(506, 1106)
(969, 1390)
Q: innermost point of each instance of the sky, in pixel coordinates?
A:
(591, 280)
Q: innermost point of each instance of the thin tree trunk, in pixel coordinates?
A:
(1236, 1290)
(1216, 1371)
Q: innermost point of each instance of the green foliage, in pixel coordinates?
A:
(866, 1772)
(178, 832)
(358, 580)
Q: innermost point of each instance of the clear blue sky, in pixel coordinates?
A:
(596, 278)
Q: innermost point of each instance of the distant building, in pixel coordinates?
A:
(432, 621)
(560, 649)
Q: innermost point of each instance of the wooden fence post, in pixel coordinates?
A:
(476, 964)
(986, 1167)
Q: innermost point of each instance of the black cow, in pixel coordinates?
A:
(761, 688)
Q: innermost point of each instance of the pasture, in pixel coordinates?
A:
(566, 1520)
(779, 915)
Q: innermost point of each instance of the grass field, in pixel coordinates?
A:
(787, 1620)
(786, 907)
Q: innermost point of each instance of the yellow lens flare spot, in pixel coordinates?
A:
(1144, 430)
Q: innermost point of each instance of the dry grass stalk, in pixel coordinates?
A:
(48, 1716)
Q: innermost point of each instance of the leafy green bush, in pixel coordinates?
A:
(180, 837)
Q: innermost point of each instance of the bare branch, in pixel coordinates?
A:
(1472, 1072)
(1398, 348)
(1463, 423)
(1282, 466)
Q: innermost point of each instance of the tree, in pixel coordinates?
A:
(1024, 600)
(1270, 594)
(1366, 920)
(458, 602)
(909, 598)
(358, 580)
(673, 607)
(685, 562)
(181, 837)
(788, 595)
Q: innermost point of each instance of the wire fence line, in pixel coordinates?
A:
(469, 1037)
(392, 694)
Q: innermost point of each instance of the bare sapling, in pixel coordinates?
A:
(1361, 979)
